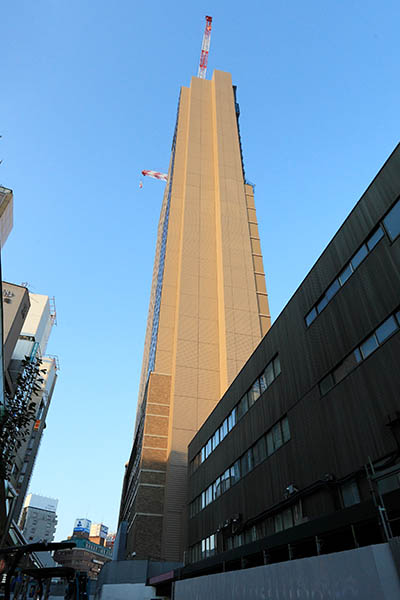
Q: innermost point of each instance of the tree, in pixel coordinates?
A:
(18, 413)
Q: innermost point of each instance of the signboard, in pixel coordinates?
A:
(82, 526)
(99, 530)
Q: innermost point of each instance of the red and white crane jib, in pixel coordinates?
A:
(155, 175)
(204, 49)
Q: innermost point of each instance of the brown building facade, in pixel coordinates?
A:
(208, 311)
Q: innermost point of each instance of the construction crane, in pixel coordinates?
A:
(155, 174)
(204, 49)
(205, 46)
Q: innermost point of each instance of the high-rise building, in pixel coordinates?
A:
(6, 214)
(29, 331)
(208, 311)
(38, 518)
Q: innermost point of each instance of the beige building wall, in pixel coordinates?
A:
(214, 305)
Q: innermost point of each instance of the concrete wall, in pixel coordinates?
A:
(366, 573)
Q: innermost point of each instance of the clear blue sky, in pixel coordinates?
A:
(89, 97)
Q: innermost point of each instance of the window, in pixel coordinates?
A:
(359, 256)
(270, 443)
(277, 435)
(269, 374)
(374, 239)
(369, 346)
(345, 274)
(208, 448)
(350, 493)
(242, 407)
(223, 430)
(326, 384)
(322, 303)
(386, 329)
(217, 487)
(311, 316)
(246, 462)
(277, 366)
(232, 419)
(392, 221)
(287, 518)
(215, 439)
(278, 522)
(285, 429)
(345, 367)
(235, 472)
(254, 393)
(332, 289)
(225, 481)
(259, 451)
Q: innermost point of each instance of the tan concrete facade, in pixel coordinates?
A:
(211, 314)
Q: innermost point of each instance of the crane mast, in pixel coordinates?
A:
(205, 46)
(204, 49)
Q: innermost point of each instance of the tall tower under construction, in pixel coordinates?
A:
(208, 311)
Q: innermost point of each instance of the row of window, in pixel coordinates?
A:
(271, 371)
(386, 329)
(392, 226)
(344, 275)
(203, 549)
(269, 443)
(285, 519)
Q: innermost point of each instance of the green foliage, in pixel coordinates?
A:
(18, 413)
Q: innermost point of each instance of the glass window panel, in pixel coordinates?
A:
(369, 346)
(345, 367)
(221, 433)
(374, 239)
(225, 427)
(203, 454)
(350, 493)
(322, 303)
(326, 384)
(270, 443)
(203, 500)
(311, 316)
(259, 451)
(359, 256)
(250, 460)
(287, 518)
(285, 429)
(386, 329)
(203, 547)
(232, 419)
(332, 289)
(277, 366)
(217, 487)
(398, 316)
(263, 383)
(244, 465)
(269, 373)
(215, 439)
(227, 478)
(242, 406)
(208, 448)
(254, 393)
(278, 523)
(392, 221)
(345, 274)
(357, 355)
(277, 433)
(235, 472)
